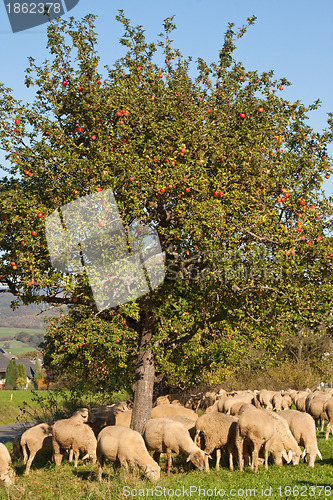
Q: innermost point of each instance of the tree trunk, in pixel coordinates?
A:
(144, 381)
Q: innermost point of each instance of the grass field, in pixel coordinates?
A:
(9, 407)
(6, 332)
(65, 483)
(15, 346)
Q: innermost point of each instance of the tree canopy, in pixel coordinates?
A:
(226, 170)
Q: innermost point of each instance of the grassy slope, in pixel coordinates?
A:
(9, 408)
(15, 346)
(65, 483)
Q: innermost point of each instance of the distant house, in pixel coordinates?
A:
(28, 364)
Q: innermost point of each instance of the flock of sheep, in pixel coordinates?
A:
(248, 425)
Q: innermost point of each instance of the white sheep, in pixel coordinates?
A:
(303, 429)
(218, 431)
(74, 434)
(38, 437)
(7, 474)
(264, 428)
(165, 436)
(169, 409)
(119, 443)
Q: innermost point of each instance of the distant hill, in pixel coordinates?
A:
(23, 317)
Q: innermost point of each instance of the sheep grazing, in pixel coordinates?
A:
(74, 434)
(303, 429)
(38, 437)
(165, 436)
(119, 443)
(218, 431)
(7, 474)
(314, 404)
(169, 409)
(264, 428)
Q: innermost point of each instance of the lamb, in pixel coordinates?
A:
(38, 437)
(74, 434)
(218, 431)
(303, 429)
(7, 474)
(264, 428)
(165, 436)
(170, 409)
(119, 443)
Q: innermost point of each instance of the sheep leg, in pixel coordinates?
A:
(231, 461)
(328, 428)
(57, 455)
(240, 445)
(76, 457)
(25, 453)
(29, 462)
(100, 459)
(255, 455)
(169, 457)
(218, 458)
(156, 457)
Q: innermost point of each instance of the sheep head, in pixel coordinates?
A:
(8, 477)
(152, 472)
(197, 458)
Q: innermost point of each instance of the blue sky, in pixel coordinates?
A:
(292, 37)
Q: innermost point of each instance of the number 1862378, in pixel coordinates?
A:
(33, 8)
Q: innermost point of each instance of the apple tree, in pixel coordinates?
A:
(220, 164)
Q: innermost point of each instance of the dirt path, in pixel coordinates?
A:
(9, 431)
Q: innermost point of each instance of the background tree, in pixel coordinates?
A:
(38, 375)
(11, 373)
(226, 169)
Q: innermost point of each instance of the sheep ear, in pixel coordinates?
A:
(85, 456)
(319, 454)
(285, 456)
(304, 453)
(188, 459)
(290, 456)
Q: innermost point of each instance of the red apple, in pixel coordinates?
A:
(242, 115)
(260, 110)
(118, 113)
(221, 193)
(101, 223)
(327, 176)
(17, 121)
(209, 110)
(80, 129)
(162, 190)
(93, 137)
(98, 81)
(64, 82)
(131, 178)
(281, 87)
(33, 233)
(166, 61)
(98, 189)
(139, 68)
(39, 215)
(182, 150)
(14, 268)
(302, 202)
(187, 189)
(293, 252)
